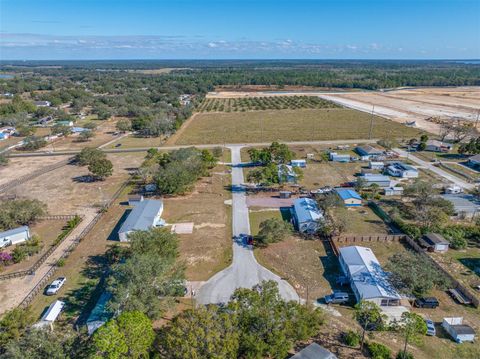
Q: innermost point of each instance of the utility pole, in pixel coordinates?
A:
(371, 124)
(476, 121)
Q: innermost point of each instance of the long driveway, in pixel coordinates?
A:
(429, 165)
(245, 271)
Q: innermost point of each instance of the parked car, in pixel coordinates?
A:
(430, 328)
(55, 286)
(336, 298)
(429, 302)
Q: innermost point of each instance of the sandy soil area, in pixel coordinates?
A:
(416, 104)
(18, 167)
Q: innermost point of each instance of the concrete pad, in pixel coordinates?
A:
(182, 228)
(270, 202)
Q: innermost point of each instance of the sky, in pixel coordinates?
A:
(234, 29)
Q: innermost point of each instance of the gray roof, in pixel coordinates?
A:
(403, 166)
(462, 329)
(314, 351)
(306, 210)
(475, 158)
(435, 238)
(366, 273)
(463, 202)
(142, 216)
(368, 150)
(370, 177)
(14, 231)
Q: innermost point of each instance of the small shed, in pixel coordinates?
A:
(298, 163)
(14, 236)
(50, 315)
(349, 197)
(458, 331)
(435, 242)
(285, 194)
(314, 351)
(376, 165)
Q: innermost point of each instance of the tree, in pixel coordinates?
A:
(101, 168)
(3, 160)
(423, 138)
(411, 326)
(25, 131)
(206, 332)
(90, 126)
(86, 135)
(13, 324)
(209, 159)
(137, 332)
(273, 230)
(39, 343)
(421, 146)
(88, 155)
(33, 143)
(413, 275)
(124, 125)
(20, 212)
(108, 342)
(369, 315)
(62, 130)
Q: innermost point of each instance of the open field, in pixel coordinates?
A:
(209, 248)
(363, 221)
(20, 166)
(416, 104)
(286, 125)
(263, 103)
(14, 139)
(132, 141)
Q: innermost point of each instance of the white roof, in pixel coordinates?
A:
(53, 311)
(366, 273)
(306, 210)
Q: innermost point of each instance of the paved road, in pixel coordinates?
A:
(245, 271)
(175, 147)
(429, 165)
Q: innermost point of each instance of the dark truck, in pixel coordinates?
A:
(429, 302)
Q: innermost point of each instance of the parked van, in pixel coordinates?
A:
(336, 298)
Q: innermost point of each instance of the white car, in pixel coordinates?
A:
(55, 286)
(430, 327)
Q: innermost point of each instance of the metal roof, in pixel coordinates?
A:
(346, 193)
(142, 216)
(463, 202)
(371, 177)
(14, 231)
(435, 238)
(314, 351)
(368, 150)
(402, 166)
(306, 210)
(366, 273)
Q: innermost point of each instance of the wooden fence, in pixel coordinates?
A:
(41, 284)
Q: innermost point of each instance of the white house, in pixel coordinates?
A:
(372, 178)
(367, 278)
(14, 236)
(50, 315)
(393, 191)
(298, 163)
(376, 165)
(306, 214)
(42, 103)
(460, 332)
(145, 215)
(438, 146)
(399, 169)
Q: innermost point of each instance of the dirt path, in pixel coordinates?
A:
(13, 291)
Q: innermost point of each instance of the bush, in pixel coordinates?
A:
(379, 351)
(61, 262)
(24, 250)
(352, 339)
(407, 355)
(458, 243)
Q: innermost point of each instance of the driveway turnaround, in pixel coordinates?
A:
(245, 271)
(428, 165)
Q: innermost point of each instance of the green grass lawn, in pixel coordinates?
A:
(287, 125)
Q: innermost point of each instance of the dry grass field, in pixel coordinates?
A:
(286, 125)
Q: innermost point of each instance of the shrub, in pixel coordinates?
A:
(61, 262)
(407, 355)
(352, 339)
(5, 258)
(458, 243)
(379, 351)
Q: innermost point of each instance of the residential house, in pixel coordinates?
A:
(400, 169)
(438, 146)
(349, 197)
(42, 103)
(367, 278)
(336, 157)
(371, 178)
(286, 174)
(79, 129)
(376, 165)
(145, 215)
(134, 200)
(434, 242)
(474, 161)
(298, 163)
(314, 351)
(393, 191)
(14, 236)
(307, 216)
(465, 205)
(459, 331)
(368, 152)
